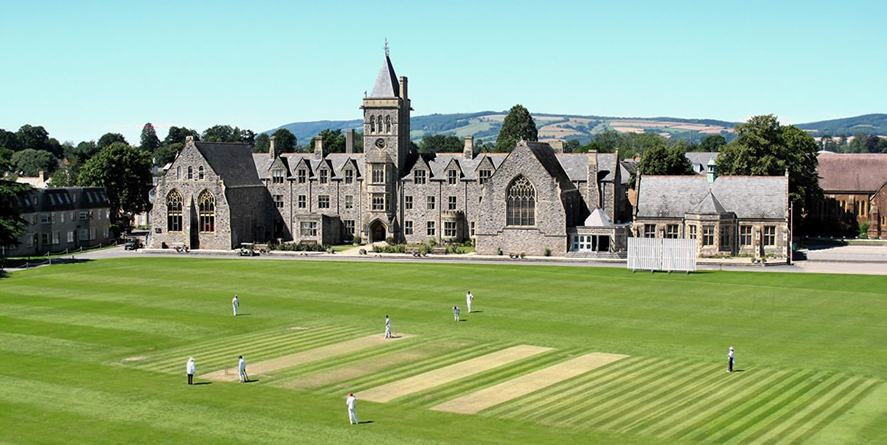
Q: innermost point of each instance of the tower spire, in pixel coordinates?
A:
(386, 47)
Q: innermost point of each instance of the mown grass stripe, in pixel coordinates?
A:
(632, 409)
(666, 403)
(817, 410)
(697, 414)
(587, 407)
(833, 412)
(589, 391)
(752, 409)
(536, 406)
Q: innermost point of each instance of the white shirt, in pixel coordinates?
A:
(242, 365)
(191, 368)
(469, 297)
(350, 401)
(235, 302)
(387, 323)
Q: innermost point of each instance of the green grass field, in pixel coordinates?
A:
(95, 352)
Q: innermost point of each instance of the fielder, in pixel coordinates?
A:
(730, 360)
(190, 368)
(352, 410)
(236, 303)
(241, 368)
(455, 313)
(387, 327)
(468, 299)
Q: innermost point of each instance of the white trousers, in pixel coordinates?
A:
(235, 310)
(352, 415)
(469, 306)
(387, 332)
(242, 376)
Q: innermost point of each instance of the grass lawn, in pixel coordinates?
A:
(95, 352)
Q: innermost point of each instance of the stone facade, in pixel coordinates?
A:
(62, 219)
(853, 186)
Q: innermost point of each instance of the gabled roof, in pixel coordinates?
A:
(749, 197)
(598, 219)
(709, 206)
(852, 172)
(386, 83)
(546, 156)
(699, 160)
(576, 166)
(233, 162)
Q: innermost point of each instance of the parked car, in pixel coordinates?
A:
(247, 249)
(132, 244)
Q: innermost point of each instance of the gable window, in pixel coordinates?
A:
(278, 201)
(407, 227)
(671, 231)
(324, 176)
(429, 202)
(484, 176)
(708, 235)
(174, 211)
(378, 173)
(303, 176)
(349, 176)
(323, 201)
(277, 176)
(349, 201)
(207, 211)
(200, 173)
(379, 202)
(451, 204)
(190, 172)
(745, 235)
(303, 201)
(419, 176)
(452, 177)
(649, 231)
(769, 235)
(429, 228)
(408, 202)
(520, 204)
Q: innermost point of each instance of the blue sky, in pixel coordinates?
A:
(82, 69)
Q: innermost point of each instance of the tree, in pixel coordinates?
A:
(606, 141)
(9, 140)
(439, 143)
(712, 143)
(284, 141)
(178, 135)
(662, 160)
(333, 141)
(857, 145)
(125, 172)
(263, 143)
(219, 133)
(149, 139)
(109, 138)
(517, 126)
(763, 148)
(167, 153)
(11, 223)
(29, 162)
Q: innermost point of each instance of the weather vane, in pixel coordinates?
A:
(386, 47)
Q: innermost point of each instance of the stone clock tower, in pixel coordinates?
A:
(386, 145)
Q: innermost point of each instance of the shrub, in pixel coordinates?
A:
(498, 251)
(432, 242)
(864, 230)
(547, 252)
(390, 240)
(356, 239)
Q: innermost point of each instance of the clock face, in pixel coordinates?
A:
(380, 143)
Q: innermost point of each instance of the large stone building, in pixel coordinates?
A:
(61, 220)
(534, 200)
(854, 186)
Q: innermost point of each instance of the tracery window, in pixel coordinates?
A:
(207, 211)
(372, 124)
(387, 124)
(174, 211)
(520, 205)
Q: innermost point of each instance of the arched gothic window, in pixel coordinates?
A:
(520, 205)
(372, 124)
(207, 211)
(200, 173)
(179, 172)
(387, 124)
(174, 211)
(190, 172)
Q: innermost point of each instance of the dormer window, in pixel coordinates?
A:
(303, 176)
(324, 176)
(484, 176)
(452, 177)
(277, 176)
(419, 176)
(349, 176)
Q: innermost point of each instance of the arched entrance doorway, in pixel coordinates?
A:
(377, 231)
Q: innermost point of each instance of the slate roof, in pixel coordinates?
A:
(438, 163)
(709, 206)
(546, 156)
(233, 162)
(576, 165)
(598, 219)
(386, 83)
(852, 172)
(700, 159)
(749, 197)
(335, 161)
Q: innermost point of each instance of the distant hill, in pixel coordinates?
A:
(867, 123)
(485, 125)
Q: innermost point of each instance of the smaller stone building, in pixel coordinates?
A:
(854, 186)
(62, 219)
(727, 215)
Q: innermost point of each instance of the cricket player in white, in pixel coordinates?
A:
(191, 368)
(455, 313)
(352, 410)
(241, 368)
(387, 327)
(236, 303)
(468, 298)
(730, 360)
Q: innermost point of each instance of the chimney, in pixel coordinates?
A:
(712, 170)
(272, 149)
(40, 176)
(594, 194)
(189, 139)
(403, 87)
(349, 141)
(318, 147)
(557, 146)
(468, 151)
